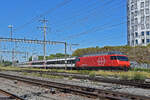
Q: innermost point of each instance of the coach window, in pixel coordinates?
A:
(68, 62)
(73, 61)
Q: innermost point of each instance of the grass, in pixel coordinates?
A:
(42, 75)
(140, 69)
(133, 74)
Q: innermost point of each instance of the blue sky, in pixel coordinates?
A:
(89, 23)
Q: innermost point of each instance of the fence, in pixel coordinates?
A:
(134, 64)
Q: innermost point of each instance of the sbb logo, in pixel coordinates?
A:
(101, 61)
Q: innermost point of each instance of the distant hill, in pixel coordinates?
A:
(140, 54)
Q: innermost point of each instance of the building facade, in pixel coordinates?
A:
(138, 22)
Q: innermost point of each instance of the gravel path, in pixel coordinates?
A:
(100, 85)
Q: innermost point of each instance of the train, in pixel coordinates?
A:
(102, 60)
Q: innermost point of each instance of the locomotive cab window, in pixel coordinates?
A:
(121, 58)
(113, 58)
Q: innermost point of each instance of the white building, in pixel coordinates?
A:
(138, 22)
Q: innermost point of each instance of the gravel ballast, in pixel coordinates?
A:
(107, 86)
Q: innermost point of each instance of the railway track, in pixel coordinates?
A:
(139, 84)
(80, 90)
(4, 95)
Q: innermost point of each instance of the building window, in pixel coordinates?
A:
(147, 11)
(142, 26)
(132, 29)
(136, 28)
(136, 34)
(147, 26)
(136, 41)
(142, 33)
(135, 13)
(142, 11)
(132, 15)
(142, 20)
(148, 33)
(135, 5)
(133, 35)
(147, 19)
(147, 3)
(132, 21)
(132, 42)
(136, 21)
(142, 4)
(147, 40)
(132, 7)
(143, 41)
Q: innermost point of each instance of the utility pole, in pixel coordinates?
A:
(11, 30)
(13, 57)
(65, 56)
(44, 21)
(11, 33)
(0, 54)
(65, 43)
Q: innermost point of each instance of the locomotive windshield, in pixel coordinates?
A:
(121, 58)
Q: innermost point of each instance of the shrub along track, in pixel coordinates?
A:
(135, 83)
(80, 90)
(9, 96)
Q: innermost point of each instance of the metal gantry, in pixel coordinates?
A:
(29, 41)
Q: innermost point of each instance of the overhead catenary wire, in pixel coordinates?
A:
(92, 14)
(94, 29)
(43, 14)
(80, 13)
(107, 39)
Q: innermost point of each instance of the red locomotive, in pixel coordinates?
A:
(107, 60)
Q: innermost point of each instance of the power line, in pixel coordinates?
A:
(43, 14)
(94, 29)
(105, 28)
(102, 40)
(92, 14)
(79, 13)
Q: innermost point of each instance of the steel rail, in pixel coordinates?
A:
(135, 83)
(10, 95)
(90, 92)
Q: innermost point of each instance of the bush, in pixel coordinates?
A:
(140, 69)
(70, 77)
(92, 75)
(138, 76)
(85, 72)
(124, 77)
